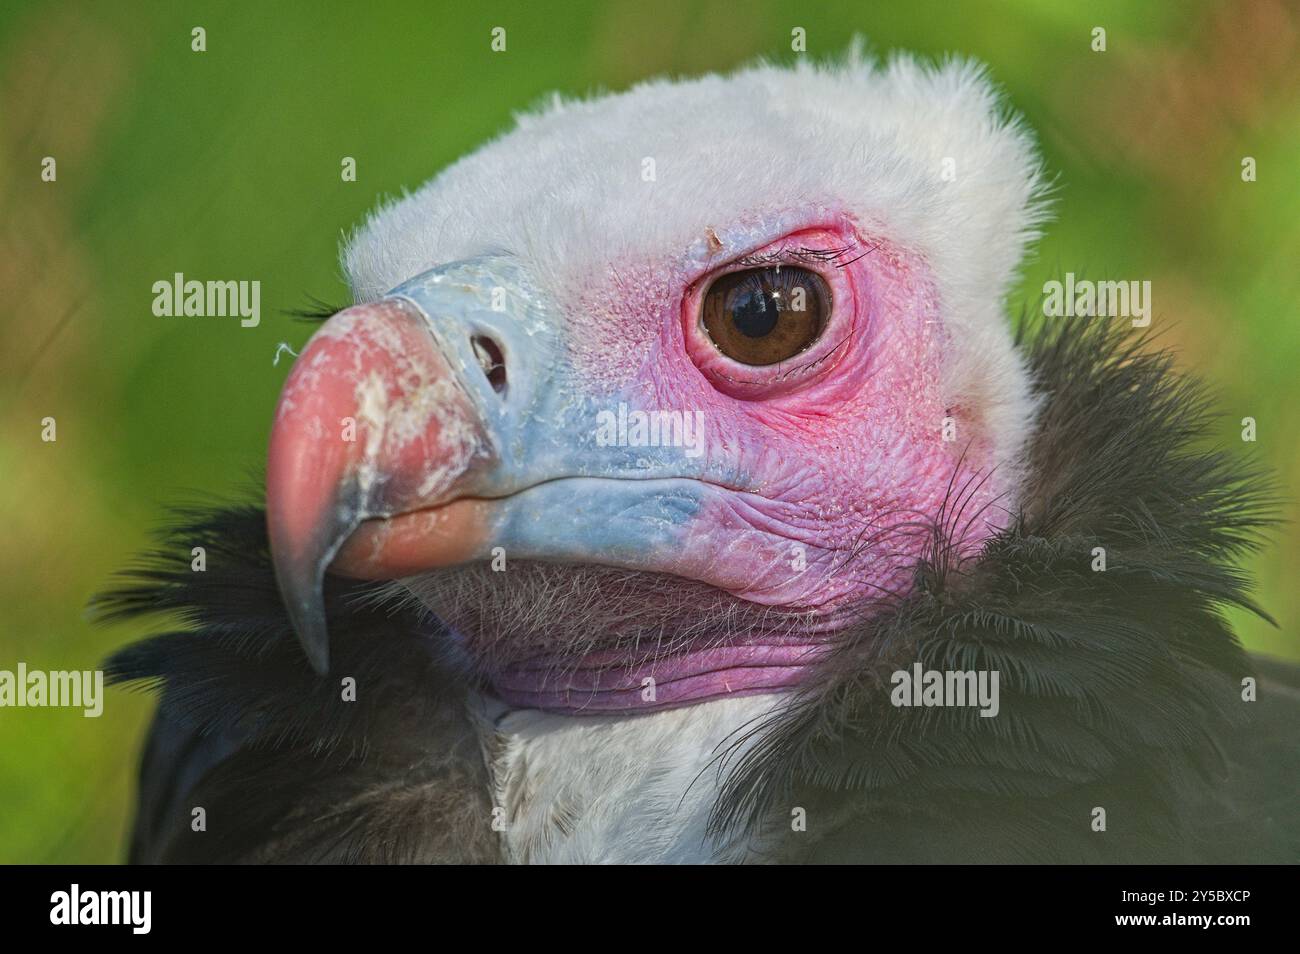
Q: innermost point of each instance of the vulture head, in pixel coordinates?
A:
(664, 433)
(652, 396)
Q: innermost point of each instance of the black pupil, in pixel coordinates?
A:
(753, 313)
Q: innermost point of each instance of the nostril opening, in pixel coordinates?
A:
(491, 360)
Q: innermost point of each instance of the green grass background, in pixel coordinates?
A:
(226, 164)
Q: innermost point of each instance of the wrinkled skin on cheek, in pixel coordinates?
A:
(826, 494)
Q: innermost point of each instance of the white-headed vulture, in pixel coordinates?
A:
(677, 489)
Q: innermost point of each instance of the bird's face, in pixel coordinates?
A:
(672, 475)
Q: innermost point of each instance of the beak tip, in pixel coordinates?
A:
(313, 636)
(318, 655)
(304, 599)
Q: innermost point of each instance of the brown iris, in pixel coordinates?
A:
(764, 315)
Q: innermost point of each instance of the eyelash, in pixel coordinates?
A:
(801, 368)
(801, 255)
(316, 310)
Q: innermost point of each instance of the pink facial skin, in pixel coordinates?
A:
(826, 477)
(839, 451)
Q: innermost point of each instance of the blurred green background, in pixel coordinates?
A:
(225, 164)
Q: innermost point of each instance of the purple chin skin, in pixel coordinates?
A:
(611, 681)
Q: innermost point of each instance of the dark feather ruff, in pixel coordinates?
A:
(1119, 689)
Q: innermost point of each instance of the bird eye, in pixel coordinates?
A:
(760, 316)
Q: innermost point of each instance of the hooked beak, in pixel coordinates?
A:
(373, 421)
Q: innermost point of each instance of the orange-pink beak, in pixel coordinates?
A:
(373, 422)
